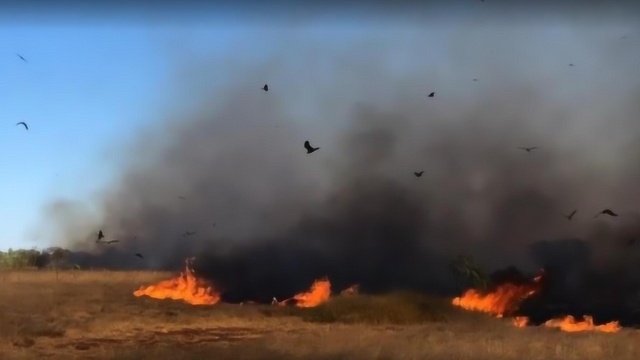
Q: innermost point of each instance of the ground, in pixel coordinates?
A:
(93, 315)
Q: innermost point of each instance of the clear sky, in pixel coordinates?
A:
(86, 87)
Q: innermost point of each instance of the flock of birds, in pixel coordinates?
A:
(310, 150)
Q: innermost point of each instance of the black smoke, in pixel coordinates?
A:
(225, 159)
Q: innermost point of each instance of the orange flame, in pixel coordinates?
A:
(186, 287)
(505, 299)
(569, 324)
(521, 321)
(319, 293)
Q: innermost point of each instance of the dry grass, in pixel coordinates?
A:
(93, 315)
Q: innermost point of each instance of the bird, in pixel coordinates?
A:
(100, 235)
(475, 79)
(528, 149)
(189, 233)
(265, 87)
(570, 216)
(571, 65)
(418, 173)
(22, 58)
(182, 198)
(310, 148)
(139, 255)
(606, 212)
(432, 94)
(23, 124)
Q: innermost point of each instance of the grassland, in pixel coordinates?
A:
(93, 315)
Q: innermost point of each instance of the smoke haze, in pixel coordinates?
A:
(269, 218)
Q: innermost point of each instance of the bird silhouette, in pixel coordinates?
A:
(418, 173)
(528, 149)
(23, 124)
(570, 216)
(22, 58)
(475, 79)
(100, 235)
(432, 94)
(606, 212)
(139, 255)
(265, 87)
(571, 65)
(310, 148)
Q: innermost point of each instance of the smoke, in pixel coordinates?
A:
(269, 218)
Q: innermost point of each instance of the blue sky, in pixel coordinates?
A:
(81, 89)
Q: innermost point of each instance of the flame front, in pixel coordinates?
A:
(319, 293)
(505, 299)
(570, 324)
(186, 287)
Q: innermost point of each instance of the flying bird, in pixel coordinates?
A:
(528, 149)
(265, 87)
(571, 65)
(418, 173)
(22, 58)
(310, 148)
(182, 198)
(139, 255)
(475, 79)
(23, 124)
(570, 216)
(432, 94)
(606, 212)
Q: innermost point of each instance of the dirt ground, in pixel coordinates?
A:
(93, 315)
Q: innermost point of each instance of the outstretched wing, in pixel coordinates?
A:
(23, 124)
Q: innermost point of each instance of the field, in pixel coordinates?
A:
(93, 315)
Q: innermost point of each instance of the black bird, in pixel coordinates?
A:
(528, 149)
(606, 212)
(100, 235)
(432, 94)
(265, 87)
(570, 64)
(419, 173)
(23, 124)
(139, 255)
(310, 148)
(22, 58)
(570, 216)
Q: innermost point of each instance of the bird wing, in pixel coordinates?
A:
(573, 212)
(307, 145)
(23, 124)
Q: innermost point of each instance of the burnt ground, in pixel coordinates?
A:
(93, 315)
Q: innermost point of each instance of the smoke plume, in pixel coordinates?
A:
(224, 159)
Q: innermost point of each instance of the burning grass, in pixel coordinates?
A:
(94, 315)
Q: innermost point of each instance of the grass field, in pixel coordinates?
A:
(93, 315)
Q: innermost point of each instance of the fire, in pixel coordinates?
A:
(570, 324)
(186, 287)
(319, 293)
(505, 299)
(521, 321)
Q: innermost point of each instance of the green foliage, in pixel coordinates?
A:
(469, 273)
(395, 308)
(23, 259)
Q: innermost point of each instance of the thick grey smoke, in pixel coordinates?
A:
(354, 210)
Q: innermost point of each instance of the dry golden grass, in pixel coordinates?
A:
(93, 315)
